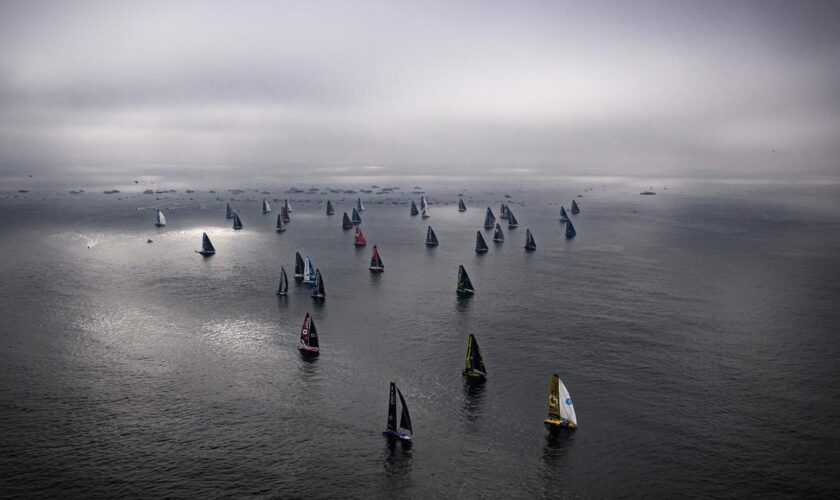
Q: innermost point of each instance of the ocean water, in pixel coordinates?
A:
(697, 331)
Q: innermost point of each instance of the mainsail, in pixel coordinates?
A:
(376, 264)
(228, 212)
(498, 235)
(360, 240)
(237, 222)
(480, 244)
(414, 210)
(575, 207)
(319, 293)
(266, 207)
(330, 209)
(530, 244)
(474, 363)
(431, 237)
(465, 286)
(300, 267)
(570, 230)
(489, 219)
(283, 287)
(160, 219)
(206, 247)
(512, 222)
(308, 337)
(461, 206)
(346, 223)
(561, 410)
(356, 218)
(280, 226)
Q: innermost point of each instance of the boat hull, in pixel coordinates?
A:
(375, 269)
(474, 374)
(465, 293)
(396, 435)
(555, 424)
(530, 248)
(319, 298)
(480, 250)
(205, 254)
(309, 351)
(281, 229)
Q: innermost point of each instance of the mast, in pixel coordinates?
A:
(330, 209)
(431, 237)
(530, 244)
(480, 244)
(498, 235)
(503, 211)
(346, 223)
(414, 210)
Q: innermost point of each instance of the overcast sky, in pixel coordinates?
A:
(263, 90)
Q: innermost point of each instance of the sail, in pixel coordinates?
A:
(228, 212)
(299, 266)
(376, 260)
(431, 237)
(530, 244)
(266, 207)
(512, 222)
(237, 222)
(489, 219)
(359, 206)
(356, 218)
(474, 363)
(498, 235)
(360, 238)
(206, 246)
(461, 206)
(563, 215)
(284, 214)
(405, 418)
(330, 209)
(570, 230)
(464, 283)
(480, 244)
(575, 207)
(414, 210)
(560, 405)
(288, 207)
(160, 219)
(392, 408)
(346, 223)
(503, 211)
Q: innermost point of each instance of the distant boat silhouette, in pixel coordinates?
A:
(300, 267)
(376, 264)
(489, 219)
(283, 287)
(330, 209)
(474, 363)
(280, 226)
(648, 192)
(424, 205)
(356, 218)
(207, 248)
(237, 222)
(480, 244)
(284, 215)
(360, 240)
(461, 206)
(570, 230)
(424, 213)
(465, 287)
(564, 217)
(431, 237)
(359, 206)
(160, 219)
(391, 429)
(561, 410)
(414, 210)
(503, 211)
(575, 207)
(228, 212)
(266, 208)
(512, 222)
(498, 235)
(346, 223)
(530, 244)
(308, 345)
(288, 206)
(319, 294)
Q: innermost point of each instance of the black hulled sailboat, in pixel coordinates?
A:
(359, 206)
(207, 248)
(414, 210)
(330, 209)
(530, 244)
(575, 207)
(489, 219)
(480, 244)
(431, 237)
(319, 294)
(346, 223)
(299, 268)
(284, 214)
(564, 217)
(356, 218)
(237, 222)
(280, 226)
(503, 211)
(266, 208)
(498, 235)
(474, 368)
(461, 206)
(283, 287)
(376, 265)
(228, 212)
(392, 431)
(512, 222)
(570, 230)
(465, 287)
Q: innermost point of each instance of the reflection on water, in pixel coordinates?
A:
(397, 458)
(473, 397)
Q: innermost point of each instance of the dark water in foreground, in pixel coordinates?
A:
(697, 333)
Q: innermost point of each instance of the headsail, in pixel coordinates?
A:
(570, 230)
(330, 209)
(414, 210)
(376, 264)
(512, 222)
(237, 222)
(356, 218)
(530, 244)
(405, 418)
(498, 235)
(346, 223)
(280, 226)
(480, 244)
(474, 363)
(575, 207)
(465, 286)
(360, 240)
(461, 206)
(431, 237)
(160, 219)
(266, 207)
(489, 219)
(228, 212)
(300, 267)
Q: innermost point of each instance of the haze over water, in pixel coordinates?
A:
(695, 330)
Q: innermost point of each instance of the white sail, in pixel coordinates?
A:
(160, 219)
(567, 408)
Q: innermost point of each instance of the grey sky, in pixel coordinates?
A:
(266, 89)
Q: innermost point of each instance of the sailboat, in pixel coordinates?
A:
(512, 222)
(424, 205)
(498, 235)
(330, 209)
(237, 222)
(648, 192)
(376, 264)
(360, 238)
(356, 218)
(461, 206)
(266, 207)
(299, 267)
(475, 363)
(228, 212)
(359, 206)
(283, 287)
(414, 210)
(564, 217)
(346, 223)
(570, 230)
(392, 431)
(480, 244)
(309, 275)
(503, 211)
(530, 244)
(287, 206)
(308, 337)
(207, 248)
(465, 287)
(575, 207)
(319, 294)
(280, 226)
(424, 213)
(160, 219)
(431, 237)
(489, 219)
(284, 214)
(561, 411)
